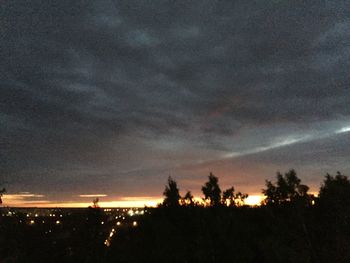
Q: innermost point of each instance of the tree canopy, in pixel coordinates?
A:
(171, 194)
(335, 191)
(212, 191)
(287, 188)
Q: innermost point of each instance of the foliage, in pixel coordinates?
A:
(239, 198)
(288, 188)
(171, 194)
(212, 191)
(187, 200)
(229, 198)
(281, 233)
(335, 191)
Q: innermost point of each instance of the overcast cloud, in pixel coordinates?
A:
(115, 96)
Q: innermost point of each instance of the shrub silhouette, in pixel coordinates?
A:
(187, 200)
(229, 198)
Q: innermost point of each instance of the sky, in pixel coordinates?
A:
(109, 98)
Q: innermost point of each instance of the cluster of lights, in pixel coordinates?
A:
(137, 212)
(34, 218)
(130, 212)
(113, 231)
(108, 240)
(9, 213)
(32, 222)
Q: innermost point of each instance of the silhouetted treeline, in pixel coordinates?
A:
(211, 191)
(291, 225)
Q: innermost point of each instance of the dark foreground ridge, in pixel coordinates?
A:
(290, 226)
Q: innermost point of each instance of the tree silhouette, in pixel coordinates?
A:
(228, 197)
(335, 191)
(95, 203)
(239, 198)
(212, 191)
(187, 200)
(171, 194)
(288, 188)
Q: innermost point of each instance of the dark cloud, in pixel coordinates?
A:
(93, 88)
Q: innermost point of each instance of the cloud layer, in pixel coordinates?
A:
(115, 96)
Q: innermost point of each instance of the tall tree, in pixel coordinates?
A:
(212, 191)
(288, 188)
(171, 194)
(335, 191)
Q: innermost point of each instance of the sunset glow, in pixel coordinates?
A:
(14, 200)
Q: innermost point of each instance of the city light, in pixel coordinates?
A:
(130, 212)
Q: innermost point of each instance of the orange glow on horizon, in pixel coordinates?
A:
(51, 204)
(20, 201)
(251, 200)
(254, 200)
